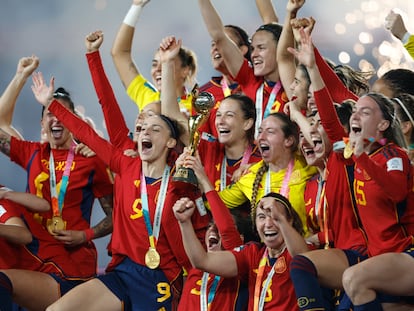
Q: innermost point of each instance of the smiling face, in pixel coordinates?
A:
(216, 58)
(55, 133)
(272, 140)
(149, 110)
(155, 139)
(213, 239)
(264, 54)
(316, 151)
(230, 122)
(268, 229)
(367, 119)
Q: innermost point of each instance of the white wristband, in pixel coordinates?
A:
(405, 38)
(133, 14)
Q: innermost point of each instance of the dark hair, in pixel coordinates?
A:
(274, 28)
(289, 128)
(393, 132)
(355, 81)
(172, 126)
(249, 111)
(289, 210)
(344, 112)
(243, 38)
(63, 94)
(404, 109)
(399, 80)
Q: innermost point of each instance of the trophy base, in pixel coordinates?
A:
(184, 178)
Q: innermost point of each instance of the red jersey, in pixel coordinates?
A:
(130, 237)
(10, 252)
(215, 87)
(114, 119)
(337, 89)
(250, 84)
(88, 180)
(222, 293)
(212, 154)
(382, 183)
(343, 222)
(281, 293)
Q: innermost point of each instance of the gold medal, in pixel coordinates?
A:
(56, 223)
(348, 151)
(152, 258)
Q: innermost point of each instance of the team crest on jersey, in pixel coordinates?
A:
(366, 176)
(295, 177)
(280, 266)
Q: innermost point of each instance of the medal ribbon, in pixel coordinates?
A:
(57, 201)
(246, 157)
(259, 299)
(225, 87)
(259, 103)
(206, 301)
(321, 211)
(154, 231)
(284, 189)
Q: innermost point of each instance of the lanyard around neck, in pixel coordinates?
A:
(223, 172)
(284, 189)
(204, 300)
(57, 201)
(154, 230)
(259, 103)
(259, 299)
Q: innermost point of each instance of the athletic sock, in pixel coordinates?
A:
(307, 288)
(6, 290)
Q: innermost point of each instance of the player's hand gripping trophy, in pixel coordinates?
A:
(202, 103)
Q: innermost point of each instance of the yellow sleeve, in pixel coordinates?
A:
(142, 92)
(409, 46)
(297, 185)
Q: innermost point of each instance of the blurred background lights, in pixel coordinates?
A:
(344, 57)
(340, 28)
(359, 49)
(365, 37)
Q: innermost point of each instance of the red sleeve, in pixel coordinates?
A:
(335, 86)
(114, 120)
(8, 210)
(230, 236)
(396, 182)
(172, 229)
(85, 134)
(329, 118)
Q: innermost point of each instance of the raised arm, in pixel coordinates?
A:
(267, 11)
(330, 121)
(231, 54)
(122, 47)
(395, 24)
(294, 241)
(25, 68)
(168, 52)
(221, 263)
(285, 60)
(114, 119)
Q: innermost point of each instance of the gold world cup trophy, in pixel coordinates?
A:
(202, 104)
